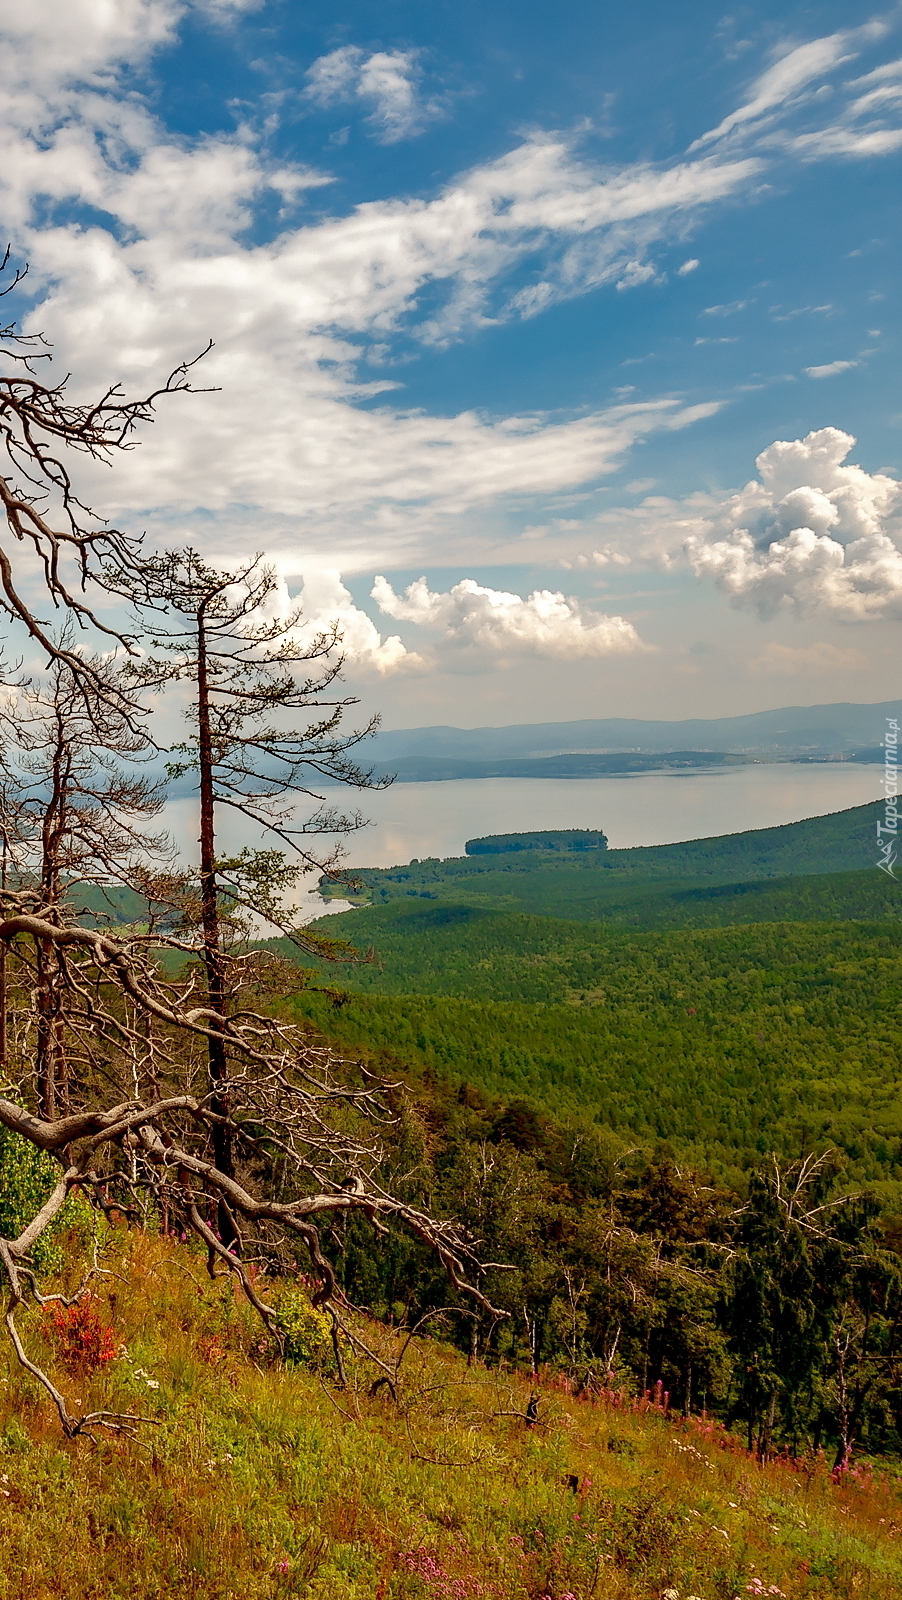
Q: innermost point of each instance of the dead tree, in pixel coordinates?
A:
(248, 674)
(74, 805)
(289, 1102)
(145, 1125)
(40, 426)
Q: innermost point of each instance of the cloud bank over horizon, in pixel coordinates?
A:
(813, 534)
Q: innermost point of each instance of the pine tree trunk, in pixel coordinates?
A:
(216, 989)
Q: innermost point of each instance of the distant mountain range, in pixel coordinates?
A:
(437, 769)
(830, 732)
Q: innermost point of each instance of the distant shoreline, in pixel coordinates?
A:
(449, 769)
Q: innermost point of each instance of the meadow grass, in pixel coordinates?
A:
(256, 1479)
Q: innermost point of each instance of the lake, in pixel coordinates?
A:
(435, 819)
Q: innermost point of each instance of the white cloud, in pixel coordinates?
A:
(688, 266)
(830, 369)
(728, 310)
(860, 128)
(847, 141)
(83, 41)
(387, 80)
(812, 533)
(267, 457)
(326, 600)
(290, 319)
(781, 82)
(634, 273)
(889, 69)
(226, 10)
(492, 621)
(857, 125)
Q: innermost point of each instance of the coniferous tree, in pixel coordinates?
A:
(73, 812)
(249, 674)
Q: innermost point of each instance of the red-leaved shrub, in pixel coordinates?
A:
(84, 1342)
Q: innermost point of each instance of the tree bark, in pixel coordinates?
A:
(223, 1155)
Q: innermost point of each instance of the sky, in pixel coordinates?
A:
(555, 350)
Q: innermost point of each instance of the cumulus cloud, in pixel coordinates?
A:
(81, 42)
(811, 533)
(495, 622)
(688, 266)
(325, 601)
(387, 80)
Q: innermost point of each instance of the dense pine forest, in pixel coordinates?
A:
(727, 1043)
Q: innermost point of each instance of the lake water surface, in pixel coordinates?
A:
(417, 820)
(435, 819)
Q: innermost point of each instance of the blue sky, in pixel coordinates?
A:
(509, 299)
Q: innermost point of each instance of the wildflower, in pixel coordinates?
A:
(283, 1565)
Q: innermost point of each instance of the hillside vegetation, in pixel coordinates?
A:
(725, 995)
(620, 884)
(256, 1479)
(729, 1043)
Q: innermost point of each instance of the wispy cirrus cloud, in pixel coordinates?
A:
(830, 369)
(853, 118)
(780, 85)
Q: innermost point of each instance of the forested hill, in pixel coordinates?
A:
(728, 1042)
(729, 995)
(838, 842)
(590, 884)
(579, 764)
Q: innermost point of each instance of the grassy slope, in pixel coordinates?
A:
(257, 1483)
(728, 1042)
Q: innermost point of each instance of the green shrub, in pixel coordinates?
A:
(27, 1178)
(306, 1332)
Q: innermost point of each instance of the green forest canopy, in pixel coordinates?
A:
(590, 884)
(729, 996)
